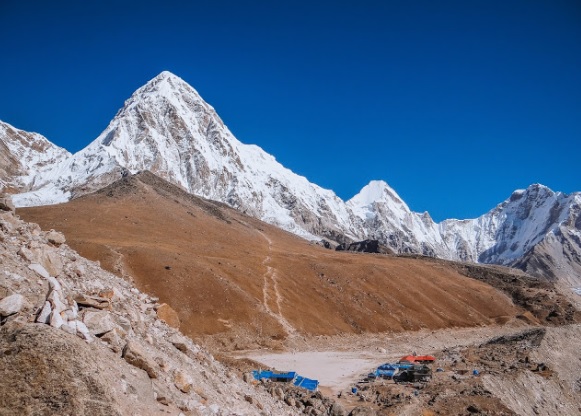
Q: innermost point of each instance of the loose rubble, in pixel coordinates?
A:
(98, 340)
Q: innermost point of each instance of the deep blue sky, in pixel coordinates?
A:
(453, 103)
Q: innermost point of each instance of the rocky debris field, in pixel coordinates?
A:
(77, 340)
(516, 374)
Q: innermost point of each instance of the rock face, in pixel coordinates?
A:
(365, 246)
(88, 343)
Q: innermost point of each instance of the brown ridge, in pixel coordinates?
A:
(244, 282)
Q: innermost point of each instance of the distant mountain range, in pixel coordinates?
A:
(167, 128)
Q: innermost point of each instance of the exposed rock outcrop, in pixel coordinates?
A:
(365, 246)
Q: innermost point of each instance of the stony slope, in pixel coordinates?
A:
(244, 282)
(75, 339)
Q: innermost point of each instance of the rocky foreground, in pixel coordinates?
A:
(77, 340)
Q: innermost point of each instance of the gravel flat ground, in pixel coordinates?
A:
(339, 362)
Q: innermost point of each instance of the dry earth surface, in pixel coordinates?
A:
(238, 283)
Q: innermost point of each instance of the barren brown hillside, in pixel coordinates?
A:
(245, 282)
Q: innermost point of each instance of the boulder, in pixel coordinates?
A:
(363, 411)
(12, 304)
(56, 238)
(137, 356)
(39, 269)
(337, 410)
(98, 322)
(179, 342)
(168, 315)
(56, 302)
(49, 373)
(44, 315)
(50, 259)
(116, 339)
(56, 319)
(92, 301)
(6, 203)
(53, 283)
(69, 327)
(183, 381)
(83, 331)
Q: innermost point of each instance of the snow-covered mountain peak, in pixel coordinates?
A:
(167, 84)
(537, 190)
(374, 195)
(374, 191)
(24, 156)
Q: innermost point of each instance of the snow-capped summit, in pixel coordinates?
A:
(524, 220)
(24, 157)
(377, 197)
(167, 128)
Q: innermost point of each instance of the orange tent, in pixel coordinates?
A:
(424, 359)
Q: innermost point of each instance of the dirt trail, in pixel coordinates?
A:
(271, 279)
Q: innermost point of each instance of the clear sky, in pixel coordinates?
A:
(453, 103)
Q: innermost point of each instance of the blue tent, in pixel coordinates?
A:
(306, 383)
(299, 381)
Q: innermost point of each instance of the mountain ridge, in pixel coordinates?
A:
(167, 128)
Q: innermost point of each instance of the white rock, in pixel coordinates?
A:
(39, 269)
(57, 304)
(55, 237)
(12, 304)
(54, 284)
(99, 322)
(56, 320)
(15, 276)
(44, 315)
(83, 331)
(70, 327)
(73, 312)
